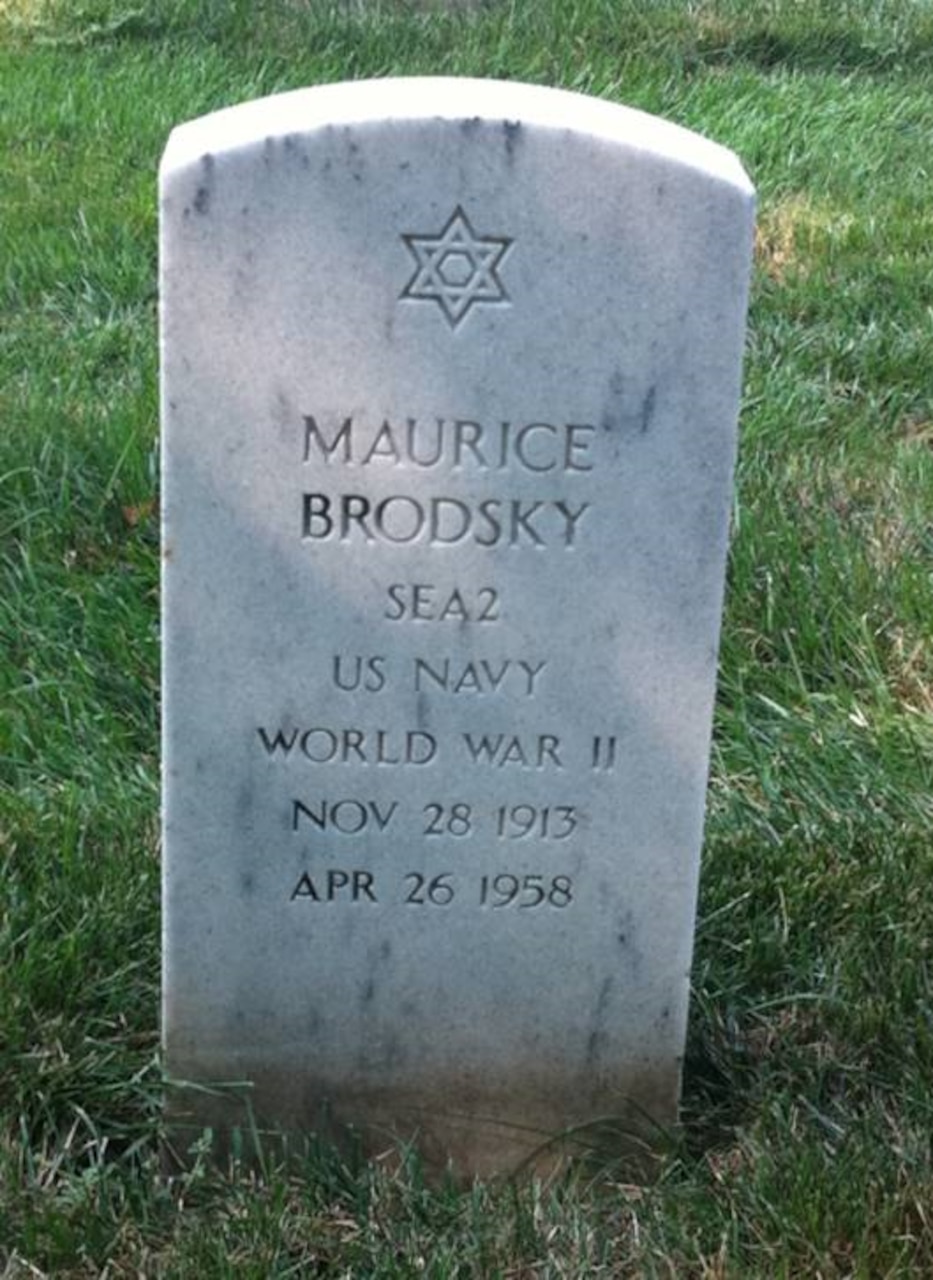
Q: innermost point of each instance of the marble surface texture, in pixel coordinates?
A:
(450, 377)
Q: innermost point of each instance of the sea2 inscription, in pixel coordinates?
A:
(424, 602)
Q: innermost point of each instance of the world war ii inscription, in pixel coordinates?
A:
(450, 380)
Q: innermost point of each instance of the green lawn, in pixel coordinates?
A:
(808, 1102)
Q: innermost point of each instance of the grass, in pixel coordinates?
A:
(807, 1107)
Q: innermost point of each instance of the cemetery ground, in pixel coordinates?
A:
(808, 1086)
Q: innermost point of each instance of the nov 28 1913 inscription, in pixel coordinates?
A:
(450, 379)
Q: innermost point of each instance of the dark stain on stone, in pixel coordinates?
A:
(612, 413)
(647, 409)
(355, 160)
(247, 884)
(202, 197)
(369, 990)
(512, 129)
(627, 937)
(614, 417)
(597, 1037)
(292, 144)
(385, 949)
(421, 710)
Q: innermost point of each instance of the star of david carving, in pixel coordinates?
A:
(457, 269)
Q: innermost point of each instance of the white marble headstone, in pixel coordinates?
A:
(450, 382)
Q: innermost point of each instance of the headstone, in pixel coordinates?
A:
(450, 381)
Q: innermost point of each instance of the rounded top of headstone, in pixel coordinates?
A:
(374, 102)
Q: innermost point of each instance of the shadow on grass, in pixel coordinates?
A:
(720, 1078)
(818, 47)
